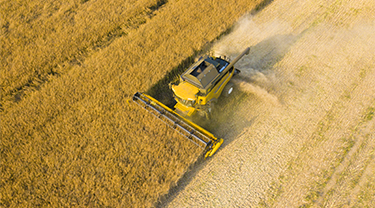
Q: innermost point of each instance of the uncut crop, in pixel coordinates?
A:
(68, 135)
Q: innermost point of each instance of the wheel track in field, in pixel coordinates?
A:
(340, 113)
(367, 173)
(312, 144)
(325, 176)
(348, 159)
(341, 168)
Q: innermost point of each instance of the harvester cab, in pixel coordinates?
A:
(198, 89)
(202, 84)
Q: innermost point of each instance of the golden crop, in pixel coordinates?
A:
(68, 136)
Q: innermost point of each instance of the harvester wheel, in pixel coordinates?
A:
(208, 115)
(209, 110)
(211, 107)
(228, 89)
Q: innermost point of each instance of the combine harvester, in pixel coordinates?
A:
(196, 92)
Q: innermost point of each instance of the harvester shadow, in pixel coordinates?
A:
(264, 55)
(226, 123)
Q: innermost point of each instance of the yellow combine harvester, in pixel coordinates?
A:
(197, 91)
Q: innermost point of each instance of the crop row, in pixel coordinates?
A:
(75, 140)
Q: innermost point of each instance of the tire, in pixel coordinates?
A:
(209, 110)
(228, 89)
(208, 115)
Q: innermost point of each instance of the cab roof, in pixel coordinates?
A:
(202, 73)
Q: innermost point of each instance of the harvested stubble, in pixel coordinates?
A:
(74, 140)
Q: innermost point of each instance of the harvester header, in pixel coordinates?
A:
(197, 92)
(188, 129)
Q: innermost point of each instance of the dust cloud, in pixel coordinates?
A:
(260, 92)
(248, 33)
(268, 43)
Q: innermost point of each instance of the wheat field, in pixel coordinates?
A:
(68, 68)
(298, 130)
